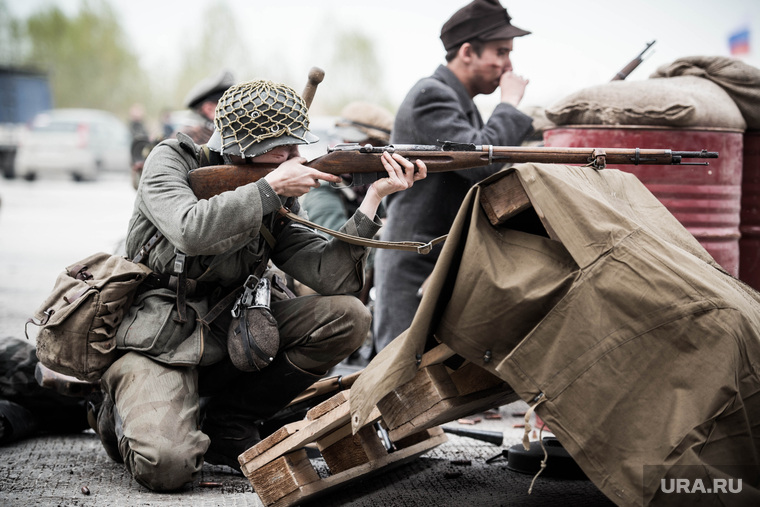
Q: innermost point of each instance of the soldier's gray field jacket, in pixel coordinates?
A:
(221, 238)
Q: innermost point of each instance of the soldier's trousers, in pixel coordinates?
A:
(156, 406)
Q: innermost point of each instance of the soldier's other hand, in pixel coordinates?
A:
(402, 174)
(512, 87)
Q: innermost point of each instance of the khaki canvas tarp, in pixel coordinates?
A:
(643, 354)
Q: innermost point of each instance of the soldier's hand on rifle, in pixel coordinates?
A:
(401, 175)
(512, 87)
(292, 178)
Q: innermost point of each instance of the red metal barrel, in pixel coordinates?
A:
(705, 199)
(749, 244)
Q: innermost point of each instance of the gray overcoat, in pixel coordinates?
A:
(438, 108)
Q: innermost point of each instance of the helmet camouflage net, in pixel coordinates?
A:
(254, 117)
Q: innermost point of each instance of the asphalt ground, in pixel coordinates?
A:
(74, 470)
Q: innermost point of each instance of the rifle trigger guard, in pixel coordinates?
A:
(599, 159)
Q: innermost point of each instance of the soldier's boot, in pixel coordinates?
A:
(231, 420)
(105, 421)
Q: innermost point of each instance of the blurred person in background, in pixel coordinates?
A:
(478, 40)
(361, 123)
(201, 99)
(137, 122)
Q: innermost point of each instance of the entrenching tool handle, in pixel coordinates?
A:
(492, 437)
(316, 75)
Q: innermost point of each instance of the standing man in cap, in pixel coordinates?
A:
(478, 40)
(247, 358)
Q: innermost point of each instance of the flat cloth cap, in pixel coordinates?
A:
(481, 19)
(210, 88)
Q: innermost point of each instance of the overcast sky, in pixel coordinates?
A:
(574, 44)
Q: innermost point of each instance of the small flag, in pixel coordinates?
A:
(738, 42)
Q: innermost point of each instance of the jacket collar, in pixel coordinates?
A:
(444, 75)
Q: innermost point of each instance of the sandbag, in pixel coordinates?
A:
(683, 101)
(740, 80)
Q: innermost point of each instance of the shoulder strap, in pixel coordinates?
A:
(410, 246)
(147, 247)
(268, 236)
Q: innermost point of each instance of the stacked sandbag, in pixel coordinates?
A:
(740, 80)
(676, 97)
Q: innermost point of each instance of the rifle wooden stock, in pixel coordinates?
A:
(207, 182)
(326, 386)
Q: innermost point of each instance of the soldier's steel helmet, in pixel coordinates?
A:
(254, 117)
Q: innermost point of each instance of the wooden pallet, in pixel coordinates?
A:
(438, 395)
(282, 474)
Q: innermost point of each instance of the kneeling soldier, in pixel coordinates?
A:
(179, 348)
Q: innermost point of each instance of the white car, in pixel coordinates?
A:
(76, 143)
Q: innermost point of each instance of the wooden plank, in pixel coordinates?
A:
(335, 436)
(328, 405)
(353, 450)
(402, 456)
(436, 355)
(254, 458)
(283, 476)
(504, 198)
(273, 439)
(344, 454)
(428, 387)
(371, 443)
(453, 408)
(418, 437)
(470, 378)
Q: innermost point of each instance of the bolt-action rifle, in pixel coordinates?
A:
(365, 164)
(632, 64)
